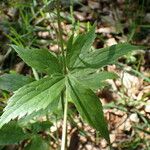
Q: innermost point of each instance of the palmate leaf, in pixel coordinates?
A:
(105, 56)
(82, 44)
(39, 59)
(12, 82)
(32, 97)
(12, 133)
(88, 105)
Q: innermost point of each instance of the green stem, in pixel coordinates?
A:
(71, 12)
(60, 36)
(64, 106)
(63, 145)
(36, 76)
(62, 100)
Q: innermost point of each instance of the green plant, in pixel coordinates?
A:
(70, 77)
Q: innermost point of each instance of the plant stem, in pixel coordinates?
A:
(71, 12)
(60, 36)
(35, 74)
(59, 27)
(63, 145)
(64, 106)
(62, 100)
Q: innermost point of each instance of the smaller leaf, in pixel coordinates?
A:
(104, 56)
(88, 105)
(12, 133)
(81, 45)
(39, 59)
(37, 143)
(40, 126)
(12, 82)
(94, 80)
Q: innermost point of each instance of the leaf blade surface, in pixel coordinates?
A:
(12, 133)
(81, 45)
(88, 105)
(39, 59)
(32, 97)
(12, 82)
(105, 56)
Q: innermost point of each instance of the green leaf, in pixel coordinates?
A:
(12, 133)
(88, 105)
(52, 107)
(102, 57)
(12, 82)
(81, 45)
(32, 97)
(40, 126)
(70, 43)
(83, 72)
(37, 143)
(94, 80)
(2, 147)
(39, 59)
